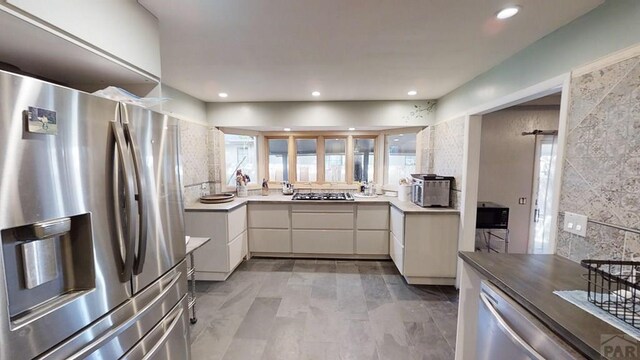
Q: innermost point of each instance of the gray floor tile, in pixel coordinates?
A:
(295, 301)
(286, 338)
(275, 284)
(243, 349)
(259, 320)
(304, 266)
(324, 286)
(322, 309)
(315, 350)
(375, 290)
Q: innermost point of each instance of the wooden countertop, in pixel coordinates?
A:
(531, 281)
(405, 207)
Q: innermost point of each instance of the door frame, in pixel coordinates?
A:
(471, 156)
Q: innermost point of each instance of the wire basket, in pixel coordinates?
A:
(614, 286)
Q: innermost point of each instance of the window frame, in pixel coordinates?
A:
(267, 153)
(223, 158)
(385, 135)
(376, 158)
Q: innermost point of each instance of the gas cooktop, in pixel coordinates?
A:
(323, 196)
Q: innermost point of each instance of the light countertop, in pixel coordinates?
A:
(406, 207)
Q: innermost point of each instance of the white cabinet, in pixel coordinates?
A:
(269, 229)
(326, 229)
(372, 229)
(424, 245)
(228, 246)
(338, 242)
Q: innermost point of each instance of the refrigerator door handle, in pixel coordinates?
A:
(125, 236)
(154, 350)
(117, 330)
(142, 199)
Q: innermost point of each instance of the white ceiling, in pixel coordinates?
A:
(282, 50)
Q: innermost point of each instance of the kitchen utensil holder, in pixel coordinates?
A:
(614, 287)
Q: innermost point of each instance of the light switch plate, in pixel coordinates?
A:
(575, 223)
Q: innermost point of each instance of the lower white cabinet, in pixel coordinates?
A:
(270, 241)
(424, 246)
(372, 242)
(338, 242)
(229, 241)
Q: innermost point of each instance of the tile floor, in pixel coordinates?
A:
(322, 309)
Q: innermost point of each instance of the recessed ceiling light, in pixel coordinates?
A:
(351, 129)
(223, 95)
(287, 129)
(507, 12)
(396, 139)
(412, 93)
(316, 93)
(401, 135)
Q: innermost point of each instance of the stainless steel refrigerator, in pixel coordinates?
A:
(92, 257)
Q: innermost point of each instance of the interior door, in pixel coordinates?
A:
(541, 214)
(155, 141)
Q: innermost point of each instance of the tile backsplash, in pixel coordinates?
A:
(443, 151)
(601, 169)
(200, 147)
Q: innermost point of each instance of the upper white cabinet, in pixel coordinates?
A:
(123, 29)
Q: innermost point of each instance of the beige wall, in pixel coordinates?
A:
(322, 114)
(507, 164)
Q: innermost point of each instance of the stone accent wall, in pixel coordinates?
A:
(442, 153)
(200, 147)
(601, 169)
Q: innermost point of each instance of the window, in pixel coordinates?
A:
(306, 160)
(240, 153)
(335, 160)
(401, 157)
(278, 160)
(363, 159)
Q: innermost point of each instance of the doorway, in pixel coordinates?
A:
(518, 148)
(546, 148)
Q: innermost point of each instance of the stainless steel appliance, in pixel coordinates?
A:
(507, 331)
(323, 196)
(492, 216)
(429, 190)
(91, 226)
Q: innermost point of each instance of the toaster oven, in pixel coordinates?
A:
(428, 190)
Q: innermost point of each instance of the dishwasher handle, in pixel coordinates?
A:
(507, 330)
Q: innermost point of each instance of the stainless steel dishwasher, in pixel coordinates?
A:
(507, 331)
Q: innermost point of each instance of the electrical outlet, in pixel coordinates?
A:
(522, 201)
(575, 223)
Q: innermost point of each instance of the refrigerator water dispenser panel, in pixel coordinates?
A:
(47, 264)
(39, 262)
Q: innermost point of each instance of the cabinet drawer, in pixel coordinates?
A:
(269, 240)
(237, 222)
(373, 217)
(372, 242)
(397, 224)
(396, 251)
(322, 220)
(271, 216)
(322, 207)
(322, 241)
(235, 250)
